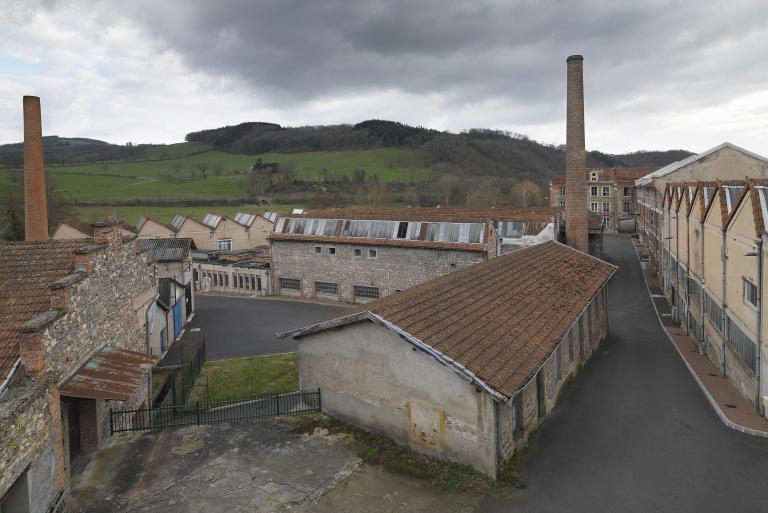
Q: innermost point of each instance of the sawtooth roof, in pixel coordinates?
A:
(495, 322)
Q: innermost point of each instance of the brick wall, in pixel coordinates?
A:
(576, 220)
(392, 268)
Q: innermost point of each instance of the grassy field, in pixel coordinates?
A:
(131, 214)
(246, 377)
(154, 179)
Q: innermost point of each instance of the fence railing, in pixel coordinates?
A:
(191, 371)
(213, 412)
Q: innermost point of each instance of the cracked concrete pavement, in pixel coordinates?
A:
(250, 466)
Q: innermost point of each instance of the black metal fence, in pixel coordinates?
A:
(191, 371)
(213, 412)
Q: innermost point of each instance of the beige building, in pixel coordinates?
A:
(705, 239)
(215, 233)
(472, 387)
(72, 228)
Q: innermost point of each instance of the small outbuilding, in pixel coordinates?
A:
(463, 367)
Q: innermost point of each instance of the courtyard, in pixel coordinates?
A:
(237, 327)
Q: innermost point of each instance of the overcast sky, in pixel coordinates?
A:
(658, 74)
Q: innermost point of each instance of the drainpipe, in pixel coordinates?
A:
(758, 334)
(677, 266)
(702, 346)
(688, 265)
(724, 324)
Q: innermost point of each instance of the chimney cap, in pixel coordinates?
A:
(28, 97)
(574, 58)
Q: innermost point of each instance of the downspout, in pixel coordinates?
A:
(688, 265)
(702, 346)
(677, 266)
(759, 243)
(724, 324)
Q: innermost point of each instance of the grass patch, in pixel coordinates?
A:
(379, 450)
(247, 377)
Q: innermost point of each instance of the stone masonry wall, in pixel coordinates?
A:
(392, 269)
(108, 307)
(27, 441)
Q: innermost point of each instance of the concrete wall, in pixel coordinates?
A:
(726, 164)
(393, 268)
(374, 379)
(153, 230)
(231, 285)
(198, 232)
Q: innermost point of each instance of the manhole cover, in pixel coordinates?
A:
(729, 405)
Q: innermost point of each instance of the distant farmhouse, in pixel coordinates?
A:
(358, 255)
(464, 366)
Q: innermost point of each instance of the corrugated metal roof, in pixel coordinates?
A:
(111, 373)
(166, 250)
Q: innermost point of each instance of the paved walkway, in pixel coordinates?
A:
(633, 432)
(732, 408)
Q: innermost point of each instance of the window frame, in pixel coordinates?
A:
(227, 241)
(748, 286)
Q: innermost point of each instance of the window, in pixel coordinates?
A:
(593, 191)
(318, 250)
(606, 207)
(372, 253)
(331, 251)
(750, 293)
(627, 207)
(593, 206)
(225, 245)
(626, 191)
(562, 191)
(240, 279)
(362, 292)
(290, 284)
(253, 283)
(402, 230)
(562, 204)
(323, 288)
(17, 498)
(593, 176)
(606, 190)
(226, 280)
(358, 252)
(258, 283)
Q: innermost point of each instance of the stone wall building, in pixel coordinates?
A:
(464, 366)
(610, 194)
(175, 303)
(357, 255)
(73, 343)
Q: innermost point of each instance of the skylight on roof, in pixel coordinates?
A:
(762, 192)
(177, 221)
(211, 220)
(732, 193)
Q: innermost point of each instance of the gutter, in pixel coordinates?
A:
(5, 384)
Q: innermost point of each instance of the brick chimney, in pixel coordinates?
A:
(35, 206)
(576, 216)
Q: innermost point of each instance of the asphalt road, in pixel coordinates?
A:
(236, 327)
(633, 432)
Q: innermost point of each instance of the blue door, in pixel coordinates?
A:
(177, 319)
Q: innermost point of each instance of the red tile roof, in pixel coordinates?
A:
(500, 319)
(26, 269)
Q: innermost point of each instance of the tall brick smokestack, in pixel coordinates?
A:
(35, 205)
(576, 216)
